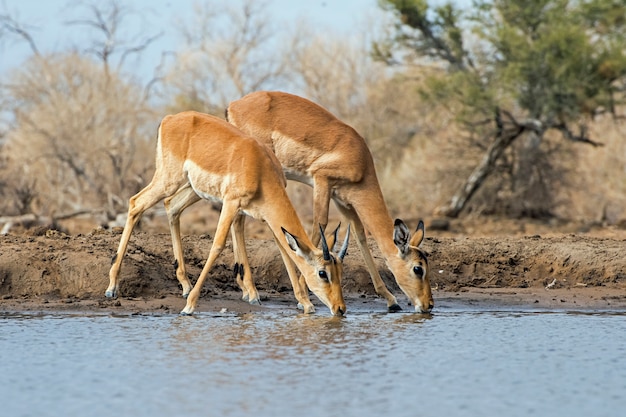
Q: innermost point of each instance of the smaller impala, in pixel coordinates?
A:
(247, 178)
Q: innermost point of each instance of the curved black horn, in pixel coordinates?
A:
(324, 245)
(344, 247)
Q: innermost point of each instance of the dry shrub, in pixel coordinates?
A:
(598, 188)
(526, 180)
(82, 138)
(426, 174)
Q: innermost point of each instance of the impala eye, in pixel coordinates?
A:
(419, 271)
(323, 275)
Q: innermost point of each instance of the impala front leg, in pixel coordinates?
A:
(321, 203)
(229, 211)
(301, 292)
(361, 239)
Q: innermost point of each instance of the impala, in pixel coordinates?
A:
(247, 178)
(316, 148)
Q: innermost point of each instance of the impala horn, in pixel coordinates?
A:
(324, 245)
(344, 247)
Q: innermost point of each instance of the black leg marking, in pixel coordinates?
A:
(114, 259)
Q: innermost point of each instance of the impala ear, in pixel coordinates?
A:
(417, 238)
(401, 235)
(295, 246)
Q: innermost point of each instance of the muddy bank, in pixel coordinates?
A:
(70, 272)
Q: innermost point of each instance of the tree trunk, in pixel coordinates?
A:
(481, 172)
(31, 220)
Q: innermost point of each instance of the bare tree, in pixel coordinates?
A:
(109, 39)
(79, 131)
(333, 71)
(229, 52)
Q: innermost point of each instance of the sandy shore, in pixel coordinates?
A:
(60, 272)
(476, 299)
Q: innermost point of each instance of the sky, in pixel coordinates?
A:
(45, 21)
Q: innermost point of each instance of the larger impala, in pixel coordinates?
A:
(317, 149)
(247, 178)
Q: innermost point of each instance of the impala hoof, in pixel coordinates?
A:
(255, 302)
(187, 311)
(307, 310)
(110, 294)
(394, 308)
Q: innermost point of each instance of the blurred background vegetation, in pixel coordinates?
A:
(507, 109)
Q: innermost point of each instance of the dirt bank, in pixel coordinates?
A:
(70, 272)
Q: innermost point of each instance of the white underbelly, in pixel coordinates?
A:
(213, 187)
(208, 185)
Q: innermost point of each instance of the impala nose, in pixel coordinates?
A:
(340, 311)
(429, 308)
(419, 308)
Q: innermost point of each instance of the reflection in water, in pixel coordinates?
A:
(299, 358)
(252, 336)
(366, 364)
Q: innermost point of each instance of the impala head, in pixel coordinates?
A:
(410, 267)
(323, 269)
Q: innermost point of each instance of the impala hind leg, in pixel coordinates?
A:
(361, 240)
(242, 272)
(229, 211)
(137, 205)
(174, 206)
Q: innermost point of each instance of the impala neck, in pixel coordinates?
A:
(372, 210)
(286, 217)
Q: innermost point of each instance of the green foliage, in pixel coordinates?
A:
(548, 57)
(443, 38)
(510, 69)
(554, 60)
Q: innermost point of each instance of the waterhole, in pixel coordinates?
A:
(457, 362)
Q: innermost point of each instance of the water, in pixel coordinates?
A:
(457, 362)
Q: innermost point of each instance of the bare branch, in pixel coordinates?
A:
(108, 22)
(139, 48)
(580, 137)
(158, 76)
(9, 24)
